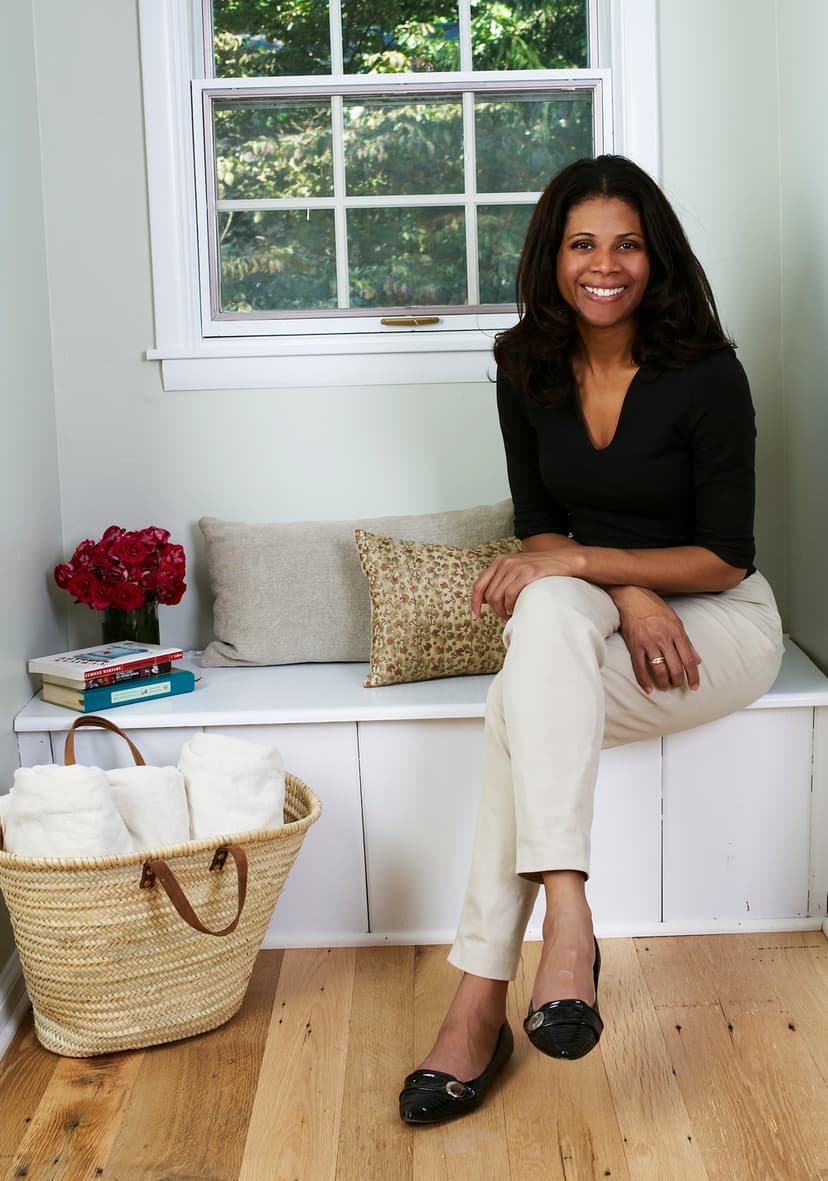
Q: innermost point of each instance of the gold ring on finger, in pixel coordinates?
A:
(658, 660)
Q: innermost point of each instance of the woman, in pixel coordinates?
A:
(633, 609)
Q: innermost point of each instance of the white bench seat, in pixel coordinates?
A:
(398, 771)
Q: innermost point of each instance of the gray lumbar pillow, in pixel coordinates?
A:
(291, 593)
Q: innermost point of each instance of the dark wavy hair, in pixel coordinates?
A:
(677, 321)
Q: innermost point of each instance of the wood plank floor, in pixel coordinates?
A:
(713, 1065)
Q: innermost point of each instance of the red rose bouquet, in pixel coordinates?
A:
(125, 570)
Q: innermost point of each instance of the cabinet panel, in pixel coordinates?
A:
(420, 788)
(625, 865)
(35, 748)
(421, 785)
(818, 887)
(323, 900)
(737, 806)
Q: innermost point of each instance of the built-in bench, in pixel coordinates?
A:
(721, 828)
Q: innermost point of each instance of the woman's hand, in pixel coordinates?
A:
(654, 633)
(500, 583)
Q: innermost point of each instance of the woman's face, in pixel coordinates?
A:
(603, 266)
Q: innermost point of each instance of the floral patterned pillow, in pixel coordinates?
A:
(421, 625)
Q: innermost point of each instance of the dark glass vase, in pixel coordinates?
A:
(140, 625)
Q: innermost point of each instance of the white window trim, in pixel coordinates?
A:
(626, 39)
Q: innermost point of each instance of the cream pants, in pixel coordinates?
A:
(566, 689)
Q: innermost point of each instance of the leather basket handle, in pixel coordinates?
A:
(103, 724)
(158, 868)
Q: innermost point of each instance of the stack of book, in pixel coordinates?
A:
(90, 679)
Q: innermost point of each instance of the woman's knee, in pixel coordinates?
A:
(552, 600)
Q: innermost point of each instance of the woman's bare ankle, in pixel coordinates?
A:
(566, 964)
(468, 1034)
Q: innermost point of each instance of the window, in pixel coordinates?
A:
(339, 191)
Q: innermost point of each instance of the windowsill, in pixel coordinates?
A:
(297, 362)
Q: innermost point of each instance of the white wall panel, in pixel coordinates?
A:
(420, 788)
(737, 803)
(421, 785)
(625, 880)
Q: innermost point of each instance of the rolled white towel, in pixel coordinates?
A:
(152, 802)
(232, 785)
(58, 811)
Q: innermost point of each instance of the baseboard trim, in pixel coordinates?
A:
(632, 930)
(14, 1001)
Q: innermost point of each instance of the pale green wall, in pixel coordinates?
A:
(30, 526)
(720, 136)
(803, 42)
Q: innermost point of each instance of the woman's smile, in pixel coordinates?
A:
(604, 292)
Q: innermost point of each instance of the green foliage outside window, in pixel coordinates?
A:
(268, 38)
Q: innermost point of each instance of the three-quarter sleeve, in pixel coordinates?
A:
(536, 510)
(723, 433)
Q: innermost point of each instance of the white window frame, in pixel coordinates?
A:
(624, 35)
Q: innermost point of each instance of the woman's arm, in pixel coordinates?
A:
(674, 569)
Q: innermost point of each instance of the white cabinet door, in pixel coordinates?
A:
(737, 802)
(323, 900)
(421, 785)
(624, 888)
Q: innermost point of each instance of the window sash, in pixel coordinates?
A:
(205, 50)
(466, 88)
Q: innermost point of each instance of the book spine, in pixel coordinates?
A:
(104, 679)
(129, 665)
(68, 666)
(91, 700)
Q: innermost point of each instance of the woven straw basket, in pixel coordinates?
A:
(136, 950)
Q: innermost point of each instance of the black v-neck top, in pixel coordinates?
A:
(679, 469)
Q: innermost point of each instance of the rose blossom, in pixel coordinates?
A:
(63, 574)
(129, 549)
(171, 555)
(82, 557)
(127, 596)
(86, 588)
(154, 538)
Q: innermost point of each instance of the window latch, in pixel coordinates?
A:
(409, 321)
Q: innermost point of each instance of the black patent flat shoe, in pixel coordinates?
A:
(566, 1029)
(431, 1097)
